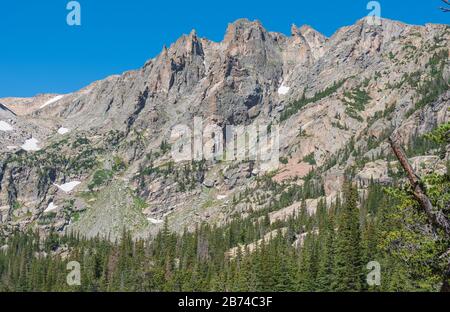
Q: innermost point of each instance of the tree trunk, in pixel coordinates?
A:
(436, 218)
(446, 284)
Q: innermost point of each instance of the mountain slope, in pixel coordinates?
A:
(334, 99)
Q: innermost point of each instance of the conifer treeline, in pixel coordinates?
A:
(336, 245)
(327, 251)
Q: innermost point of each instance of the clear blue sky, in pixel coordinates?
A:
(40, 53)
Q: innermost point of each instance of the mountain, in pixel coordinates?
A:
(98, 160)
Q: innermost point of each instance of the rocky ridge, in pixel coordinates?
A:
(335, 101)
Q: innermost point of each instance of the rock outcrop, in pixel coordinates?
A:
(335, 101)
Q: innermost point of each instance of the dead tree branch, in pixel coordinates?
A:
(435, 217)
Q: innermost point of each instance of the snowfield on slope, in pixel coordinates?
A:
(31, 145)
(53, 100)
(63, 130)
(51, 207)
(283, 90)
(4, 126)
(155, 221)
(68, 187)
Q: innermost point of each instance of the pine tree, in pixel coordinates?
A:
(326, 258)
(347, 259)
(307, 271)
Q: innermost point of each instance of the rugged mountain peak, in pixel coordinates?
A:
(366, 26)
(309, 32)
(182, 64)
(187, 45)
(312, 40)
(194, 44)
(244, 30)
(252, 77)
(295, 31)
(306, 31)
(193, 33)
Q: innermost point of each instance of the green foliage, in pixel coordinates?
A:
(114, 137)
(188, 175)
(100, 177)
(310, 159)
(140, 203)
(356, 101)
(294, 107)
(405, 239)
(118, 164)
(435, 84)
(164, 147)
(337, 243)
(420, 145)
(339, 125)
(325, 251)
(81, 159)
(440, 135)
(347, 258)
(82, 140)
(47, 218)
(76, 216)
(284, 160)
(407, 235)
(16, 205)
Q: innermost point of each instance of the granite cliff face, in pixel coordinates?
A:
(98, 159)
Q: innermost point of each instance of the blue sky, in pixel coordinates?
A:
(40, 53)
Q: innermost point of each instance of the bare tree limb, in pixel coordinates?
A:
(445, 282)
(435, 217)
(445, 9)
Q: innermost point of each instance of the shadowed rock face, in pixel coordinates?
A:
(5, 112)
(115, 129)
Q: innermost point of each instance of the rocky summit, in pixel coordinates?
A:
(99, 160)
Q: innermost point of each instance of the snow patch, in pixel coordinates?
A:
(63, 130)
(31, 145)
(220, 197)
(11, 147)
(53, 100)
(51, 207)
(283, 90)
(67, 187)
(155, 221)
(4, 126)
